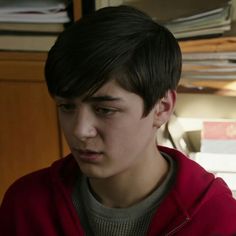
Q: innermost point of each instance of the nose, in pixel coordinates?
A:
(84, 124)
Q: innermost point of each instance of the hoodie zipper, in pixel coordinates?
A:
(177, 228)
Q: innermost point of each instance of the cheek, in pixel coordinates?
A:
(129, 137)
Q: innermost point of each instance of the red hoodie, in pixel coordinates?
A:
(40, 204)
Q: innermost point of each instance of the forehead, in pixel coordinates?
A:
(110, 88)
(110, 91)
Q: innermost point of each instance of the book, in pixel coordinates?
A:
(218, 137)
(27, 42)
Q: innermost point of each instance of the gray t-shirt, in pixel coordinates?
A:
(99, 220)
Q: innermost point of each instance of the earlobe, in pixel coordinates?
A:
(164, 108)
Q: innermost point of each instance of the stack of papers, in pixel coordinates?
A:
(188, 19)
(213, 22)
(33, 11)
(28, 25)
(209, 59)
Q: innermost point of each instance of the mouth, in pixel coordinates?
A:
(88, 155)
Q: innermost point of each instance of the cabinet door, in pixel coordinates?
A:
(29, 137)
(29, 134)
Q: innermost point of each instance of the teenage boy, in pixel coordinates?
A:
(113, 76)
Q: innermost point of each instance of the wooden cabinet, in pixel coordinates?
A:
(30, 137)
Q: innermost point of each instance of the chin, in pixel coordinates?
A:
(92, 171)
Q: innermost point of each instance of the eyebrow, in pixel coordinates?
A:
(91, 99)
(105, 98)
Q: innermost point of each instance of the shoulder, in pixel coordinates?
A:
(205, 198)
(28, 189)
(32, 183)
(219, 202)
(39, 198)
(24, 200)
(215, 211)
(37, 185)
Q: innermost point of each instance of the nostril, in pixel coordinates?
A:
(84, 123)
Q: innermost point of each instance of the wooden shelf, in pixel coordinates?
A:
(219, 87)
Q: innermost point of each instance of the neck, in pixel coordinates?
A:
(132, 186)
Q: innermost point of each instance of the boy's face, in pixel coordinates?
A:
(106, 132)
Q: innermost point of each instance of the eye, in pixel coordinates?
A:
(104, 111)
(66, 107)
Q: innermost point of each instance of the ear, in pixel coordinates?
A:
(164, 108)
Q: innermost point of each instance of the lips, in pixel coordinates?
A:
(88, 155)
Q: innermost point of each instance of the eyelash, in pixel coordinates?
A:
(104, 111)
(99, 110)
(67, 107)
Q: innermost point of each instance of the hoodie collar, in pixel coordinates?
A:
(192, 187)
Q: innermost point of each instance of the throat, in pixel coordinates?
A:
(129, 188)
